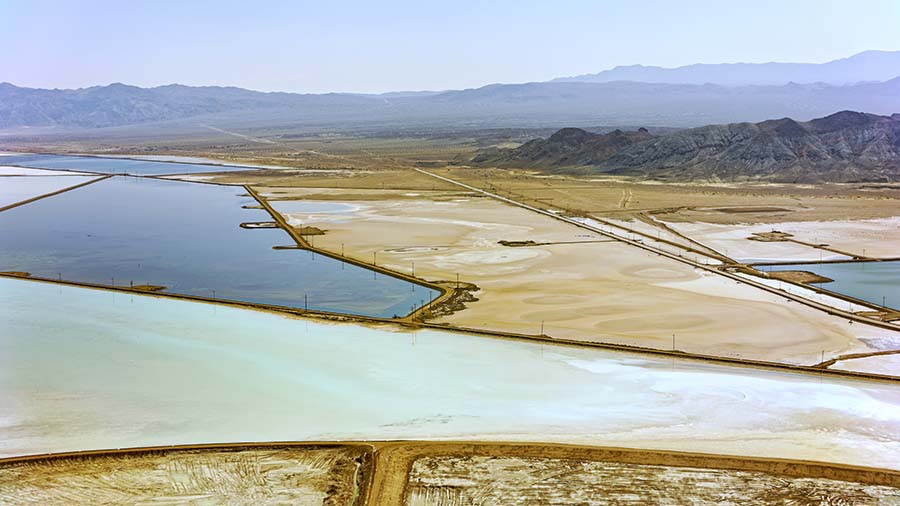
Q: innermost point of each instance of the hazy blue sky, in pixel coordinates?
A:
(360, 45)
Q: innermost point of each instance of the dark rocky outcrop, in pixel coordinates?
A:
(567, 148)
(843, 147)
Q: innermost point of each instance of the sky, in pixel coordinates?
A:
(377, 46)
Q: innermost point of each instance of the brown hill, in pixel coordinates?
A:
(843, 147)
(569, 147)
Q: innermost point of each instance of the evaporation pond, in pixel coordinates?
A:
(14, 189)
(87, 369)
(876, 282)
(114, 165)
(187, 238)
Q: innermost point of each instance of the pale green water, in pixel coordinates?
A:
(86, 369)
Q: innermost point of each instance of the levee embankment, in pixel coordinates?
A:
(382, 475)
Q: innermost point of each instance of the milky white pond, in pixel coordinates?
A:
(88, 369)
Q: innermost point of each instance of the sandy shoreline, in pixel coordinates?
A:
(601, 291)
(874, 238)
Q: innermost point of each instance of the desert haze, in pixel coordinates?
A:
(673, 278)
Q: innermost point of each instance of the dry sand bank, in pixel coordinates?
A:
(249, 476)
(848, 217)
(338, 178)
(497, 473)
(601, 291)
(712, 203)
(392, 473)
(638, 227)
(463, 480)
(878, 364)
(876, 237)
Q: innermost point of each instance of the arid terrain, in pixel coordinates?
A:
(572, 283)
(423, 473)
(461, 254)
(526, 273)
(497, 480)
(305, 476)
(655, 267)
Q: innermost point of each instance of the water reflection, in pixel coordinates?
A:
(114, 165)
(187, 237)
(876, 282)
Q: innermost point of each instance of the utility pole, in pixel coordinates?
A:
(542, 327)
(305, 303)
(673, 342)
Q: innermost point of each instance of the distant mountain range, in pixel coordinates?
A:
(843, 147)
(119, 104)
(530, 105)
(504, 105)
(865, 66)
